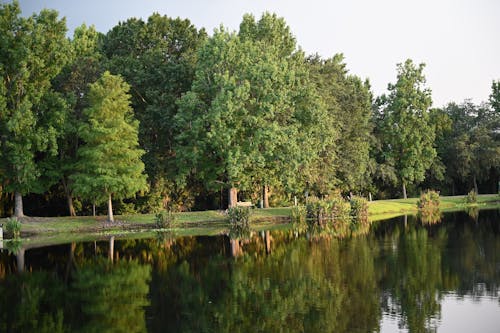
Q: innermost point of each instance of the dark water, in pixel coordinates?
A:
(401, 277)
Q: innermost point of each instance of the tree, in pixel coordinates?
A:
(32, 52)
(157, 58)
(407, 133)
(250, 111)
(73, 82)
(109, 160)
(345, 161)
(470, 150)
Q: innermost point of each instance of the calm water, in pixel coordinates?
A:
(400, 277)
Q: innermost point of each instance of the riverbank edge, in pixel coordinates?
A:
(214, 222)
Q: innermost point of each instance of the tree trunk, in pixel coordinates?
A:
(265, 196)
(233, 197)
(18, 210)
(69, 198)
(93, 209)
(370, 196)
(110, 210)
(475, 184)
(404, 191)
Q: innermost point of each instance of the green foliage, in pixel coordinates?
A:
(343, 163)
(13, 227)
(165, 219)
(359, 210)
(471, 197)
(328, 211)
(157, 58)
(110, 159)
(33, 50)
(405, 130)
(239, 215)
(252, 115)
(429, 200)
(298, 214)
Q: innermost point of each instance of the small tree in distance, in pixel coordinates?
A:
(109, 162)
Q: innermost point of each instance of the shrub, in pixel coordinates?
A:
(471, 197)
(239, 215)
(165, 219)
(359, 210)
(13, 227)
(298, 214)
(323, 211)
(428, 200)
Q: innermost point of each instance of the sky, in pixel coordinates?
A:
(458, 40)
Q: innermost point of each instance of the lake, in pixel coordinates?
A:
(402, 276)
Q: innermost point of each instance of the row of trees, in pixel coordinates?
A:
(160, 110)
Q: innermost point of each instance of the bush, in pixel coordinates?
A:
(239, 215)
(322, 211)
(359, 210)
(471, 197)
(428, 200)
(13, 227)
(298, 214)
(165, 219)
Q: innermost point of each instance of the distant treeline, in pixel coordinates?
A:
(158, 114)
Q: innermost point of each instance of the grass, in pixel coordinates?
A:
(397, 207)
(60, 229)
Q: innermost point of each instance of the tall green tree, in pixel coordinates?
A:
(407, 134)
(33, 50)
(73, 82)
(247, 117)
(109, 162)
(470, 150)
(344, 163)
(157, 58)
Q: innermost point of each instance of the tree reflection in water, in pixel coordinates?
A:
(296, 279)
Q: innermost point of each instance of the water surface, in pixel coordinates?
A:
(402, 276)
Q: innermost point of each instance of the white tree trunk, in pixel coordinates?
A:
(110, 210)
(18, 200)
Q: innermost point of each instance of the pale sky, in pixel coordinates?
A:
(459, 40)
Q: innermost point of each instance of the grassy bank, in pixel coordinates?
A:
(213, 222)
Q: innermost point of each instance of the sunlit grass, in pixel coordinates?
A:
(214, 222)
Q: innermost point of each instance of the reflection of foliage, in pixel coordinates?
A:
(165, 236)
(14, 245)
(31, 302)
(473, 212)
(239, 231)
(414, 278)
(111, 296)
(430, 216)
(315, 283)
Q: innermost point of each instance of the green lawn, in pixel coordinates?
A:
(213, 222)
